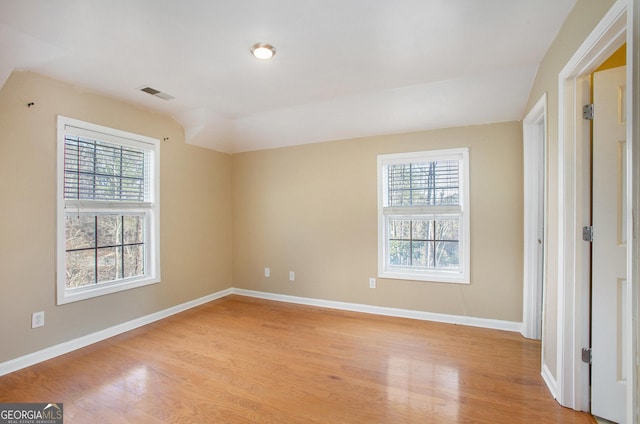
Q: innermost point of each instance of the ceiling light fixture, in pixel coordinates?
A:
(263, 51)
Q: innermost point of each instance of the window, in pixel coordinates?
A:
(423, 216)
(108, 210)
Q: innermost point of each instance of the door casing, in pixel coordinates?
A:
(572, 378)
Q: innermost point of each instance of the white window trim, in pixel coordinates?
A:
(152, 229)
(443, 276)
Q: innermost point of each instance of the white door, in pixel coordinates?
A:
(608, 315)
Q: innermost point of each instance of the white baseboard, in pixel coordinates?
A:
(550, 381)
(71, 345)
(66, 347)
(381, 310)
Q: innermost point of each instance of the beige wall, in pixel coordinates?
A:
(312, 209)
(195, 216)
(581, 21)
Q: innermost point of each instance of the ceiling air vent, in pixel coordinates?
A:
(157, 93)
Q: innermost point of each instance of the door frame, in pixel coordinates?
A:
(633, 191)
(620, 24)
(535, 218)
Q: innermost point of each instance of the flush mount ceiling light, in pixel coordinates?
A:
(263, 51)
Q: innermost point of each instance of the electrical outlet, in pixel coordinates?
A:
(292, 276)
(267, 272)
(37, 319)
(372, 283)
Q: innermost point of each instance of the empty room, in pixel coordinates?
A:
(356, 211)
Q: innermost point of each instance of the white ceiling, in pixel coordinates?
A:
(343, 68)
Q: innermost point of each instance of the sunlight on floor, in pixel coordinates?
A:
(401, 389)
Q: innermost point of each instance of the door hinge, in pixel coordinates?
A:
(586, 355)
(587, 112)
(587, 233)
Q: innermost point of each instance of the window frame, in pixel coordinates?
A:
(150, 209)
(385, 214)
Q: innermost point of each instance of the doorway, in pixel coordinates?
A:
(535, 170)
(573, 324)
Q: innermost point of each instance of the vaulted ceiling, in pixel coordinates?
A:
(342, 69)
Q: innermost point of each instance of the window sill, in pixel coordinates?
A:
(440, 277)
(69, 296)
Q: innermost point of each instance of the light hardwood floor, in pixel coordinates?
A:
(238, 360)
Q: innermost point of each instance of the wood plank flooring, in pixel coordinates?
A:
(243, 360)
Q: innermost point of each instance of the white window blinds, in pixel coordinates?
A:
(424, 184)
(117, 170)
